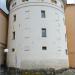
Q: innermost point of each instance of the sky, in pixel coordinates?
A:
(3, 4)
(71, 1)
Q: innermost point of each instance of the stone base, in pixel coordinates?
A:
(51, 71)
(72, 67)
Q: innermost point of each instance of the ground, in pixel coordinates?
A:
(39, 72)
(68, 72)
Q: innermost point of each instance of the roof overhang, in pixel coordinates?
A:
(8, 3)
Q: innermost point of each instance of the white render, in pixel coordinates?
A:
(28, 41)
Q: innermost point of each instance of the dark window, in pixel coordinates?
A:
(44, 48)
(54, 1)
(43, 32)
(24, 0)
(13, 35)
(13, 49)
(66, 52)
(66, 37)
(43, 15)
(14, 17)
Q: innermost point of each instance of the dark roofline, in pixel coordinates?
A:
(2, 11)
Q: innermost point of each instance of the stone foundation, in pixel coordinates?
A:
(51, 71)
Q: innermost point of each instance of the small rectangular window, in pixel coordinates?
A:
(13, 49)
(66, 52)
(24, 0)
(65, 36)
(43, 32)
(13, 35)
(43, 15)
(44, 48)
(54, 1)
(14, 17)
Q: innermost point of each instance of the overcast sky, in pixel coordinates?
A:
(3, 4)
(70, 1)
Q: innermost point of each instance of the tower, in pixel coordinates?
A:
(3, 34)
(36, 35)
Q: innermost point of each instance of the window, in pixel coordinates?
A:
(14, 17)
(62, 6)
(66, 37)
(24, 0)
(13, 35)
(43, 32)
(66, 52)
(44, 48)
(54, 1)
(43, 14)
(13, 49)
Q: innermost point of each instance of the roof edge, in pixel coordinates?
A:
(3, 12)
(8, 3)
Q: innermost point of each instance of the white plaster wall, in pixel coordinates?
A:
(28, 43)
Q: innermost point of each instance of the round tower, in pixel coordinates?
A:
(36, 35)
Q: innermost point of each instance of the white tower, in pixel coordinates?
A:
(37, 34)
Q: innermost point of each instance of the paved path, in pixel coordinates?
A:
(68, 72)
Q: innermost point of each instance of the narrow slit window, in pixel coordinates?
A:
(44, 32)
(43, 15)
(66, 37)
(66, 52)
(13, 35)
(14, 17)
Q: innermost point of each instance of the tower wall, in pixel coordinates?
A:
(28, 48)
